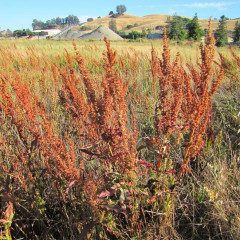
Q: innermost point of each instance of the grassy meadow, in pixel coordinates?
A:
(120, 140)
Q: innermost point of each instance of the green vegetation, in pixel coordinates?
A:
(113, 25)
(221, 34)
(89, 19)
(179, 28)
(135, 35)
(85, 28)
(236, 33)
(27, 32)
(36, 25)
(120, 9)
(176, 28)
(55, 22)
(159, 27)
(144, 33)
(194, 31)
(131, 26)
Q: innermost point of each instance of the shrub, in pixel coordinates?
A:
(89, 19)
(129, 26)
(85, 28)
(159, 27)
(42, 33)
(134, 35)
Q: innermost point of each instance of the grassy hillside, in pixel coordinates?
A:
(148, 21)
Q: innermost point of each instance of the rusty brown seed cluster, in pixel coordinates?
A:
(185, 98)
(98, 112)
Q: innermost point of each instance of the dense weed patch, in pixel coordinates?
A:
(119, 148)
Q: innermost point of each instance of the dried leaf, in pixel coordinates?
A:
(4, 221)
(145, 164)
(115, 208)
(104, 194)
(8, 215)
(152, 200)
(170, 171)
(159, 163)
(107, 193)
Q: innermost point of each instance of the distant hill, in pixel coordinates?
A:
(148, 21)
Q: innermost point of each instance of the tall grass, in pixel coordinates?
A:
(120, 147)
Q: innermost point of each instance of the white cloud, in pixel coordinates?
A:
(219, 5)
(174, 11)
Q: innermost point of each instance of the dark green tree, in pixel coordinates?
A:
(221, 32)
(194, 30)
(72, 20)
(89, 19)
(113, 25)
(49, 25)
(37, 24)
(121, 9)
(53, 20)
(149, 31)
(58, 21)
(236, 32)
(144, 32)
(135, 35)
(9, 33)
(176, 28)
(22, 33)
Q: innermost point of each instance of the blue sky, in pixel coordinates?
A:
(18, 14)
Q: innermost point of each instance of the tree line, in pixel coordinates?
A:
(181, 28)
(55, 22)
(27, 32)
